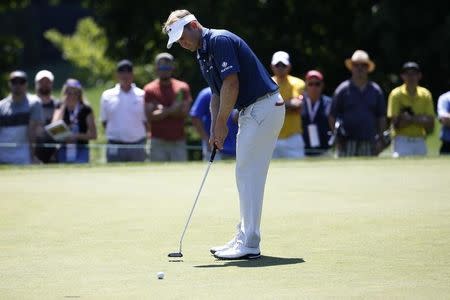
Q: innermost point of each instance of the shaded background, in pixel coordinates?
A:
(316, 34)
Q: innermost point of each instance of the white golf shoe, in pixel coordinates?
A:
(238, 251)
(228, 245)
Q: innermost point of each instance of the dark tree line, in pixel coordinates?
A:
(316, 34)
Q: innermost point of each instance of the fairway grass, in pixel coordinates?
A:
(376, 228)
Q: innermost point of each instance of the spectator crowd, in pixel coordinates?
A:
(357, 120)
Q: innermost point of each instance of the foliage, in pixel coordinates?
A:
(10, 46)
(316, 34)
(86, 50)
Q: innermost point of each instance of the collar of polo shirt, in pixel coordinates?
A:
(175, 30)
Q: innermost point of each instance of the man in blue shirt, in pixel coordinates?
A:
(238, 80)
(443, 109)
(359, 105)
(201, 120)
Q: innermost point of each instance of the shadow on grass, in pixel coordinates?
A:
(263, 261)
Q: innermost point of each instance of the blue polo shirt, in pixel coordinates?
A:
(358, 109)
(223, 53)
(443, 108)
(200, 109)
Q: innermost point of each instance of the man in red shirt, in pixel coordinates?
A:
(167, 105)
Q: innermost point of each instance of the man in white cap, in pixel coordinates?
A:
(290, 142)
(359, 106)
(238, 80)
(43, 82)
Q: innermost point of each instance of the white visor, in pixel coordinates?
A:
(175, 30)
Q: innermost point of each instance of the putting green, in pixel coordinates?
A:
(333, 228)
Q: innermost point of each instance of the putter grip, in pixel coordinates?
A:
(213, 154)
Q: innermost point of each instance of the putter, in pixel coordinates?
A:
(211, 159)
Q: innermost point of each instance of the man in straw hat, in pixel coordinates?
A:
(238, 80)
(359, 106)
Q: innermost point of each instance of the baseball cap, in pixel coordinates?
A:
(282, 57)
(18, 74)
(163, 55)
(44, 74)
(124, 63)
(314, 73)
(175, 30)
(410, 65)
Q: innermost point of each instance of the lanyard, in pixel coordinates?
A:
(312, 110)
(74, 114)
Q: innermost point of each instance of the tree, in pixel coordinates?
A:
(10, 45)
(86, 50)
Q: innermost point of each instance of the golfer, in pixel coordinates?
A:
(238, 80)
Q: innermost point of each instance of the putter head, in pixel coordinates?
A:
(175, 257)
(175, 254)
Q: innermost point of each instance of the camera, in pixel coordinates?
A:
(408, 110)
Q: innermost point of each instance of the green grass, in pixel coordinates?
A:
(377, 228)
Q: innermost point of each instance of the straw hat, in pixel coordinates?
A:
(360, 56)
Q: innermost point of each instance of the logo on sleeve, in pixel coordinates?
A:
(225, 67)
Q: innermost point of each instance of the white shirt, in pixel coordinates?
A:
(124, 114)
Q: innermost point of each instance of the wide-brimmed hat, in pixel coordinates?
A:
(360, 56)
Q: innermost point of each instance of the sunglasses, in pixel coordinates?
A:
(126, 69)
(360, 65)
(18, 81)
(71, 93)
(317, 83)
(280, 65)
(165, 68)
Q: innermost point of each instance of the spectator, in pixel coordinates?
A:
(290, 142)
(167, 104)
(444, 118)
(21, 121)
(122, 115)
(359, 106)
(201, 120)
(79, 117)
(315, 112)
(43, 81)
(410, 108)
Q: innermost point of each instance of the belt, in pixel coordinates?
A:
(412, 138)
(268, 95)
(116, 142)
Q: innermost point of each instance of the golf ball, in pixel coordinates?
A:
(160, 275)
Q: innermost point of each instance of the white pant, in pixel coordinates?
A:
(290, 147)
(259, 126)
(408, 146)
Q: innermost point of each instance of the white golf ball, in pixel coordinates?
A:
(160, 275)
